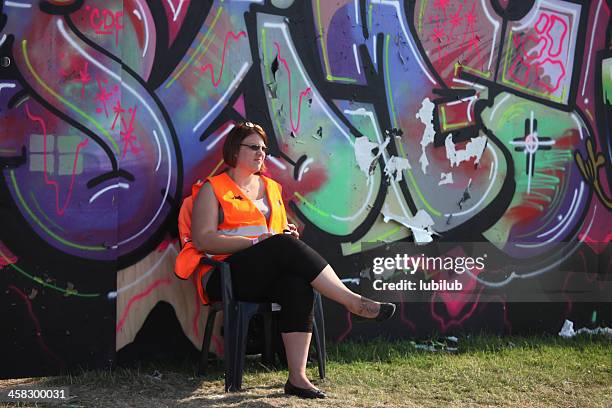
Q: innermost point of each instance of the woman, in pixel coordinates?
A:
(241, 213)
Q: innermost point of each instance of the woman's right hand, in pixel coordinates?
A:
(264, 236)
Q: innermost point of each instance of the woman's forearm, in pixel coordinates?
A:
(214, 243)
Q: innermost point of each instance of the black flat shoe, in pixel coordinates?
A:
(387, 310)
(311, 393)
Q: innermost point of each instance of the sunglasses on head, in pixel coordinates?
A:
(255, 147)
(253, 126)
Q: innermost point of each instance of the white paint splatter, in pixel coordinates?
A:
(473, 148)
(395, 166)
(420, 224)
(445, 178)
(363, 153)
(425, 114)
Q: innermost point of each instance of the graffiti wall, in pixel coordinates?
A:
(447, 120)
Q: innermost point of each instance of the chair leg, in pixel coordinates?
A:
(240, 340)
(230, 328)
(319, 335)
(268, 351)
(210, 321)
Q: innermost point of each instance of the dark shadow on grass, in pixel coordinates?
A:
(159, 384)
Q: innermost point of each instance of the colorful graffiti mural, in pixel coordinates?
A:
(449, 121)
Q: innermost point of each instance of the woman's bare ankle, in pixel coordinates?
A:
(365, 307)
(300, 381)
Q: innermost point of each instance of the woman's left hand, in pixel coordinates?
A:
(293, 230)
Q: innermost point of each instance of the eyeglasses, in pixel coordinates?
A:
(255, 147)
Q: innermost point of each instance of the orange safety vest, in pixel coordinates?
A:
(240, 217)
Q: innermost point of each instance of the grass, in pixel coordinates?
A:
(486, 372)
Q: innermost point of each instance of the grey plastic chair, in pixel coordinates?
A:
(236, 317)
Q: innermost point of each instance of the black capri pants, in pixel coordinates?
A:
(278, 269)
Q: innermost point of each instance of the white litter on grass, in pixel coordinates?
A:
(425, 347)
(567, 331)
(155, 376)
